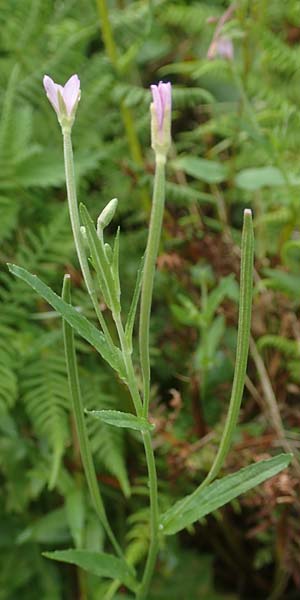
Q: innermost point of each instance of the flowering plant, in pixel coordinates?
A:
(100, 269)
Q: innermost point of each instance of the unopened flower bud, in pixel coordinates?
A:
(64, 99)
(106, 215)
(161, 118)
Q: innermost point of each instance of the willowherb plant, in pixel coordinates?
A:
(99, 263)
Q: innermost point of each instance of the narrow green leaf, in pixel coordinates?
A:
(77, 321)
(202, 502)
(244, 326)
(121, 419)
(133, 306)
(97, 563)
(115, 262)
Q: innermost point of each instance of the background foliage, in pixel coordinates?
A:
(236, 144)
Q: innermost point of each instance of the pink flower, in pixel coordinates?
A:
(162, 101)
(161, 118)
(221, 47)
(64, 99)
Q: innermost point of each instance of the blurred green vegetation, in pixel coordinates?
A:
(236, 131)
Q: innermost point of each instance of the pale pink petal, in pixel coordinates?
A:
(71, 92)
(221, 47)
(157, 105)
(165, 94)
(51, 91)
(225, 48)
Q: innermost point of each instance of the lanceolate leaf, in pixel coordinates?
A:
(244, 326)
(97, 563)
(202, 502)
(115, 262)
(77, 321)
(121, 419)
(133, 306)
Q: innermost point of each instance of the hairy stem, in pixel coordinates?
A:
(146, 301)
(75, 223)
(148, 275)
(132, 383)
(154, 519)
(134, 391)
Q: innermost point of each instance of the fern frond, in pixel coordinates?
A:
(107, 442)
(50, 246)
(293, 369)
(282, 281)
(191, 18)
(276, 218)
(9, 210)
(8, 375)
(132, 21)
(7, 112)
(284, 59)
(45, 393)
(289, 348)
(137, 536)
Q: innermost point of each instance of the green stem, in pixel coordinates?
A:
(108, 39)
(113, 588)
(75, 223)
(154, 519)
(204, 343)
(132, 383)
(243, 337)
(77, 406)
(133, 141)
(154, 516)
(146, 300)
(148, 274)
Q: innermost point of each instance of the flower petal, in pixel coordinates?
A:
(225, 48)
(165, 94)
(51, 91)
(71, 93)
(157, 105)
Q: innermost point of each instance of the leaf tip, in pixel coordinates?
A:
(289, 457)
